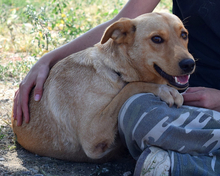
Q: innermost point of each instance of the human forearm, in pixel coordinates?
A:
(132, 9)
(84, 41)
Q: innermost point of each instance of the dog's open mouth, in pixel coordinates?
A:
(180, 82)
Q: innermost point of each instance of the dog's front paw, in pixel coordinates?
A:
(170, 95)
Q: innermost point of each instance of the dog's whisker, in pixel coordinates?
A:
(185, 21)
(196, 59)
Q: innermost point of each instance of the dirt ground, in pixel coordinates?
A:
(14, 160)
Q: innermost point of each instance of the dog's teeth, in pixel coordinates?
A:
(184, 81)
(176, 80)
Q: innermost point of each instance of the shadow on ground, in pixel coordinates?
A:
(21, 162)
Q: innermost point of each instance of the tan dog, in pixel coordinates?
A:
(76, 118)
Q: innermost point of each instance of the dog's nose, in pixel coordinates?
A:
(187, 65)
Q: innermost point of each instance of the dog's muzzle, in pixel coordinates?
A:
(182, 81)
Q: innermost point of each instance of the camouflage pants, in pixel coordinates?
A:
(190, 135)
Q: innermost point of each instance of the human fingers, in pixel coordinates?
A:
(195, 97)
(15, 104)
(18, 110)
(193, 89)
(193, 94)
(193, 103)
(22, 105)
(19, 114)
(190, 96)
(202, 98)
(38, 90)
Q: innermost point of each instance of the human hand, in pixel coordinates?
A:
(202, 97)
(36, 77)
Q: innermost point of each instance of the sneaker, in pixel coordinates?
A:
(153, 161)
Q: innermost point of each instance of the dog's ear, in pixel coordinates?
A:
(121, 31)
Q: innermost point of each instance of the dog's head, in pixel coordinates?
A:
(155, 47)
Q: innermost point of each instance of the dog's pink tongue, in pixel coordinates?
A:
(182, 79)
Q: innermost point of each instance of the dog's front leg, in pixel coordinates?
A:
(100, 137)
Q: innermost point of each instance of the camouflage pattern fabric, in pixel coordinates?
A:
(191, 135)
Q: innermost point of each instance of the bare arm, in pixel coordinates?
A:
(132, 9)
(39, 72)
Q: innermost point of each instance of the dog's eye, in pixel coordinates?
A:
(184, 35)
(157, 39)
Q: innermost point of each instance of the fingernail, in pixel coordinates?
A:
(37, 97)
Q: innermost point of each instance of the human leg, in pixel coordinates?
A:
(146, 121)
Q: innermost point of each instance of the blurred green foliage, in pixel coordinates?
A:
(31, 28)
